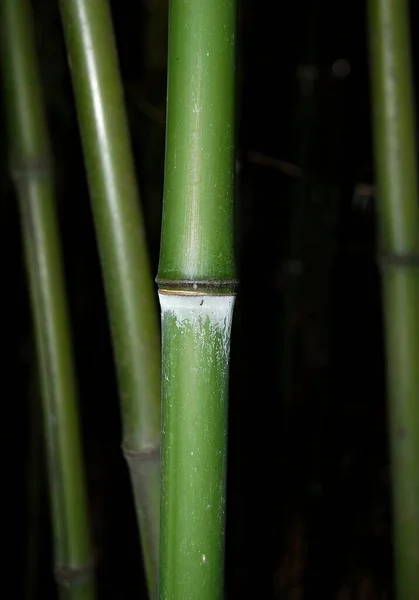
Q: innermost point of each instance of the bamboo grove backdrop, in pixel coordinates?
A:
(324, 339)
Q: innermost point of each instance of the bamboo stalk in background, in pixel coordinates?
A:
(34, 490)
(32, 173)
(396, 169)
(196, 281)
(122, 248)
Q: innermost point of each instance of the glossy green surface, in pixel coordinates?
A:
(197, 255)
(195, 392)
(32, 173)
(396, 169)
(122, 247)
(197, 243)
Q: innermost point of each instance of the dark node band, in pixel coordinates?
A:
(26, 169)
(396, 259)
(69, 576)
(204, 286)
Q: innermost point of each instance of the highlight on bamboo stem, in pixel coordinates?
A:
(123, 253)
(398, 211)
(196, 281)
(33, 177)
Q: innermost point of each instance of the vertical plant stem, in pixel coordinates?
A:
(196, 288)
(32, 173)
(396, 165)
(35, 471)
(122, 247)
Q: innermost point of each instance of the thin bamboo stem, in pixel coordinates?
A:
(33, 176)
(196, 288)
(396, 169)
(35, 471)
(122, 247)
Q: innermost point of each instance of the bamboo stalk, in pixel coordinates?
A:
(196, 281)
(396, 166)
(33, 177)
(122, 247)
(34, 491)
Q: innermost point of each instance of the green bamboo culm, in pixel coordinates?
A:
(196, 281)
(398, 208)
(33, 177)
(122, 247)
(34, 490)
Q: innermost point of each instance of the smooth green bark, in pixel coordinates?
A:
(197, 241)
(122, 247)
(195, 391)
(196, 280)
(396, 164)
(33, 177)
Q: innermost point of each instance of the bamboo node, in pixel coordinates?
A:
(210, 287)
(68, 576)
(399, 259)
(148, 453)
(29, 168)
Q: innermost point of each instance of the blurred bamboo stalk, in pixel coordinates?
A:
(32, 173)
(196, 281)
(34, 482)
(122, 246)
(396, 170)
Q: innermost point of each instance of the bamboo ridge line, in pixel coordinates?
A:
(399, 259)
(168, 292)
(205, 287)
(146, 454)
(66, 575)
(172, 283)
(31, 167)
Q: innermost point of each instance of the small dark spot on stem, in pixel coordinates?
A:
(202, 302)
(402, 433)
